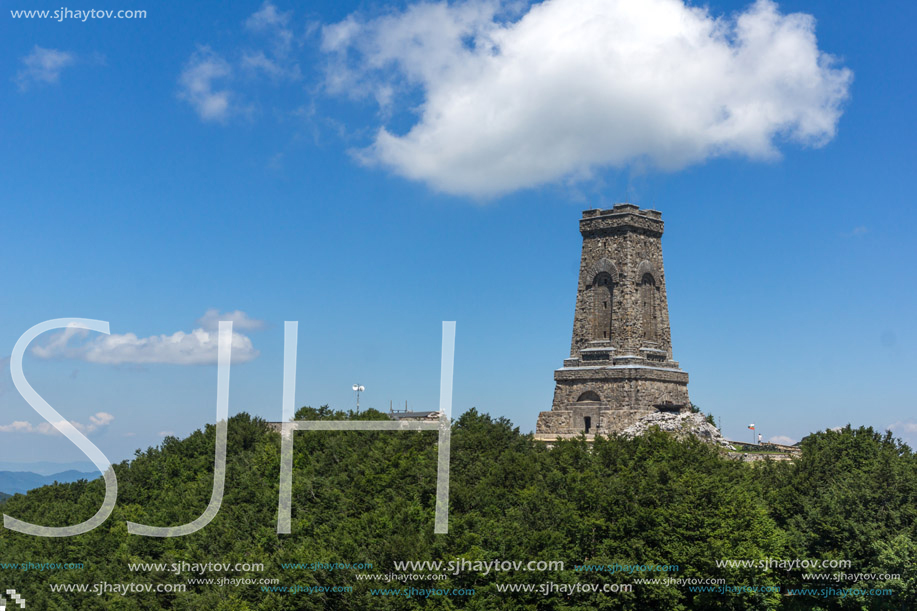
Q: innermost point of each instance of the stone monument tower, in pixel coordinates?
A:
(620, 367)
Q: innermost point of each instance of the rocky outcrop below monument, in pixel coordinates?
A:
(682, 425)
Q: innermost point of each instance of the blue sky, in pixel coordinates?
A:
(373, 169)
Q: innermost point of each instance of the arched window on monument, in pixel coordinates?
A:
(648, 303)
(602, 290)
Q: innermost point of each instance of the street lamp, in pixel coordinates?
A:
(357, 388)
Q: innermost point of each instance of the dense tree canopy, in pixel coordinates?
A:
(361, 496)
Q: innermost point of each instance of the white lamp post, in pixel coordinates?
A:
(357, 388)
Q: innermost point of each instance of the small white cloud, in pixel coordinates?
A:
(903, 427)
(197, 85)
(19, 426)
(273, 24)
(906, 430)
(129, 434)
(166, 433)
(275, 163)
(199, 347)
(271, 21)
(101, 419)
(576, 85)
(856, 232)
(240, 320)
(259, 62)
(782, 440)
(267, 17)
(96, 422)
(43, 66)
(203, 80)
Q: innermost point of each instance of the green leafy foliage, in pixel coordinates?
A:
(367, 496)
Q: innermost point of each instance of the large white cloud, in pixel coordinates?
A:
(575, 85)
(199, 347)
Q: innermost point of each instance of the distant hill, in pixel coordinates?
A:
(12, 482)
(4, 496)
(44, 467)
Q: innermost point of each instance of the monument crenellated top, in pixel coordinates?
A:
(621, 216)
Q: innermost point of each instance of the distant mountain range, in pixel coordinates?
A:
(45, 467)
(12, 482)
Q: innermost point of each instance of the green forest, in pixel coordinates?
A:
(368, 497)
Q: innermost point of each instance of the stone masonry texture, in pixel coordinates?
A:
(620, 367)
